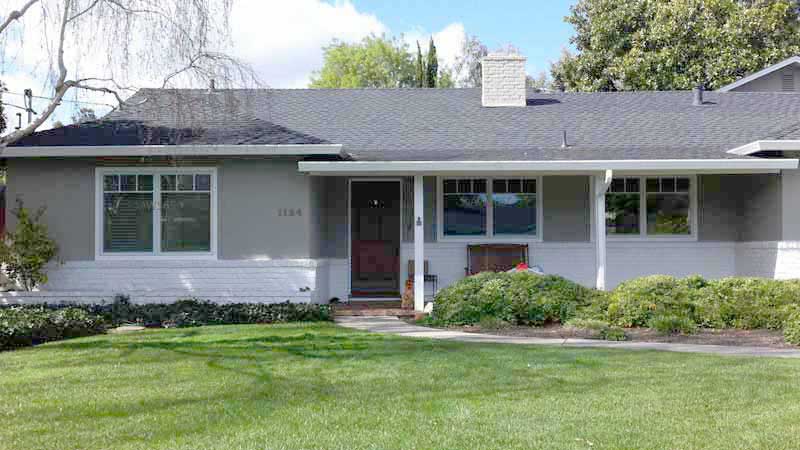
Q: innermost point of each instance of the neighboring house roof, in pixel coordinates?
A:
(760, 74)
(451, 124)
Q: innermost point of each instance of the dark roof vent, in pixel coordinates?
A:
(698, 95)
(564, 143)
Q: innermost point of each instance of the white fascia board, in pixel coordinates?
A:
(173, 150)
(760, 73)
(766, 146)
(357, 168)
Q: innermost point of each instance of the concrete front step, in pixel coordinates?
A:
(345, 311)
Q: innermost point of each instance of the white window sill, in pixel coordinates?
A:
(161, 257)
(490, 240)
(666, 239)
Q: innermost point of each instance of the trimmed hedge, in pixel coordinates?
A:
(520, 298)
(24, 326)
(194, 312)
(27, 325)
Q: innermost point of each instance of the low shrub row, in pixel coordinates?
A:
(667, 304)
(32, 325)
(193, 312)
(26, 325)
(743, 303)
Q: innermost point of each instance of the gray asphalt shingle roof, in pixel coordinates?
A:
(451, 124)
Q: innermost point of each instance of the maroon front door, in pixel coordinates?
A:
(375, 239)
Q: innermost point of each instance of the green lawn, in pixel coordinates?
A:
(323, 387)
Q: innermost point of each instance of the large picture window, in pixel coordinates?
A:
(490, 207)
(156, 212)
(651, 206)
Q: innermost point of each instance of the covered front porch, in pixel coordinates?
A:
(675, 217)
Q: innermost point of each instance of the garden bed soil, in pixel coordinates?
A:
(744, 338)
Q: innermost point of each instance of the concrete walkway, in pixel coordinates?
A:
(392, 325)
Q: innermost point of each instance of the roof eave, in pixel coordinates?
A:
(778, 145)
(749, 165)
(173, 150)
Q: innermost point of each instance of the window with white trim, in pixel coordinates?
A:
(157, 211)
(654, 206)
(490, 207)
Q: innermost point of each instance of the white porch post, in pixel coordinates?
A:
(601, 183)
(419, 243)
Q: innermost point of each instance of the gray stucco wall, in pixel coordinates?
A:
(790, 202)
(731, 207)
(567, 212)
(740, 207)
(66, 189)
(250, 194)
(334, 243)
(761, 207)
(718, 208)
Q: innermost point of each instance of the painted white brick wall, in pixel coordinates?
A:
(319, 280)
(503, 80)
(576, 261)
(168, 280)
(771, 259)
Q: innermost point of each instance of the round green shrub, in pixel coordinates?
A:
(520, 298)
(635, 302)
(747, 303)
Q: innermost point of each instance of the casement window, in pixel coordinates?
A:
(148, 212)
(490, 207)
(653, 206)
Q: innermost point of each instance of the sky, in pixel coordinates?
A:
(283, 39)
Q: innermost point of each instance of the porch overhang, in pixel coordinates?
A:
(172, 150)
(643, 166)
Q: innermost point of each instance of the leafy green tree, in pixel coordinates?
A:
(446, 79)
(432, 66)
(420, 72)
(375, 62)
(27, 250)
(674, 44)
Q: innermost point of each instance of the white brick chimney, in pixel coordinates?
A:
(503, 80)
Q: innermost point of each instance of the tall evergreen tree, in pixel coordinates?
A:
(420, 73)
(432, 67)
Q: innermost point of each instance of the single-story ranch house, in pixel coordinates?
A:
(308, 195)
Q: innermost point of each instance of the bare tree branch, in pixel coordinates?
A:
(15, 15)
(61, 88)
(162, 42)
(104, 90)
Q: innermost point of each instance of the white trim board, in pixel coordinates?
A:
(766, 146)
(759, 74)
(749, 165)
(173, 150)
